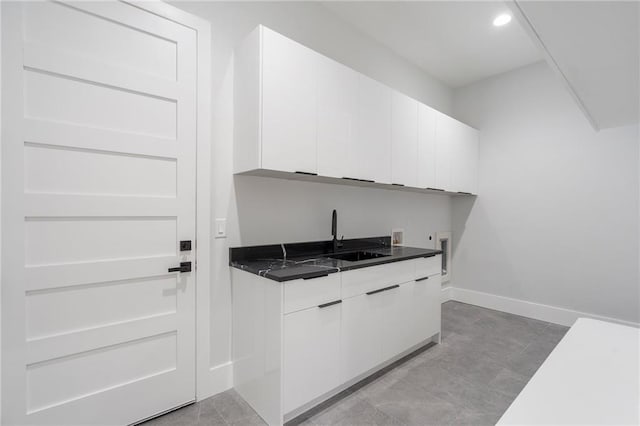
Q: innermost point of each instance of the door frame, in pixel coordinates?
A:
(204, 385)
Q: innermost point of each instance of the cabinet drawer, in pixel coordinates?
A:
(360, 281)
(302, 294)
(427, 266)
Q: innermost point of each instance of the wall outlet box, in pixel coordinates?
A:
(220, 230)
(397, 237)
(443, 242)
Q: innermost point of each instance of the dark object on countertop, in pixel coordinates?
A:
(334, 231)
(356, 256)
(316, 259)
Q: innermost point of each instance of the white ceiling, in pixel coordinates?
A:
(453, 41)
(595, 48)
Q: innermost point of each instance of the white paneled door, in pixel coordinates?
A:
(98, 150)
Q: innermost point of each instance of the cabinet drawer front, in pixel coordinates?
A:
(360, 281)
(427, 266)
(302, 294)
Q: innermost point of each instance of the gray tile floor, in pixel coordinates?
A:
(485, 359)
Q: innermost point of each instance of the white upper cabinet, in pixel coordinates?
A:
(464, 160)
(445, 134)
(275, 92)
(371, 154)
(472, 154)
(298, 111)
(289, 90)
(456, 155)
(337, 100)
(426, 147)
(404, 140)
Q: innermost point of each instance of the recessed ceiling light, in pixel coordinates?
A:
(501, 20)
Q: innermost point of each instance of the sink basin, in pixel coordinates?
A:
(355, 256)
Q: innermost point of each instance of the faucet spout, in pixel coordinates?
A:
(334, 224)
(334, 231)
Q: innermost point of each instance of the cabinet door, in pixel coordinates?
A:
(445, 137)
(425, 308)
(404, 140)
(464, 160)
(289, 80)
(311, 354)
(471, 159)
(426, 147)
(360, 335)
(337, 99)
(396, 328)
(456, 162)
(371, 154)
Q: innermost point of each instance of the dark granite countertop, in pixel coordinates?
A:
(310, 260)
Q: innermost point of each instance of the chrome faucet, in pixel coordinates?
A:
(334, 231)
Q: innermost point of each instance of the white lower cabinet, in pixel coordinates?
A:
(302, 294)
(380, 325)
(366, 280)
(424, 314)
(395, 321)
(299, 342)
(360, 343)
(311, 354)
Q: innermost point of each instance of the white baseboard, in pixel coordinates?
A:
(218, 379)
(523, 308)
(445, 296)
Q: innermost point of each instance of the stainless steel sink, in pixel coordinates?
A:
(355, 256)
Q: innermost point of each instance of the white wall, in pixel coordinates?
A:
(316, 27)
(0, 225)
(265, 211)
(557, 219)
(273, 210)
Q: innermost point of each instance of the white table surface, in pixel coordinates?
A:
(591, 377)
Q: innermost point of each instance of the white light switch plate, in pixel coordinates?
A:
(220, 230)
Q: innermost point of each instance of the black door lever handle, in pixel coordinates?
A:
(184, 267)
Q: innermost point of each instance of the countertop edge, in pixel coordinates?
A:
(355, 265)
